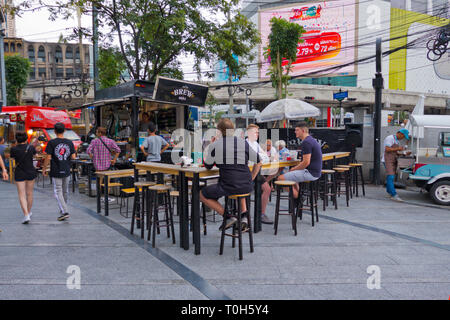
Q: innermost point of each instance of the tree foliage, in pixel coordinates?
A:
(17, 71)
(283, 42)
(110, 67)
(154, 34)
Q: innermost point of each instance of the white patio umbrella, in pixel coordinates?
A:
(288, 109)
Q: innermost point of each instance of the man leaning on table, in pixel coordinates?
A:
(310, 168)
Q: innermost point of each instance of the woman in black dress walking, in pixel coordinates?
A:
(24, 173)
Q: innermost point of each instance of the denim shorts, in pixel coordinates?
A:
(299, 176)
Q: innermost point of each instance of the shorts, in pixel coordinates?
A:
(299, 176)
(214, 191)
(20, 175)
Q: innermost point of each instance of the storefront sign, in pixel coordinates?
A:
(14, 117)
(178, 91)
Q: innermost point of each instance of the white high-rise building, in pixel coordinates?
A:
(10, 28)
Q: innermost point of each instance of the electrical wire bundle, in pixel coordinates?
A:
(438, 45)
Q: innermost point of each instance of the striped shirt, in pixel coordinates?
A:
(101, 157)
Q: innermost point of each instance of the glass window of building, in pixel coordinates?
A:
(69, 73)
(59, 73)
(58, 55)
(32, 74)
(77, 55)
(42, 73)
(12, 47)
(69, 55)
(41, 54)
(31, 55)
(6, 47)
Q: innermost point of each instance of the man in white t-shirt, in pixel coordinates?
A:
(252, 137)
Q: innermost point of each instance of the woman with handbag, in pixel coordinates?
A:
(24, 173)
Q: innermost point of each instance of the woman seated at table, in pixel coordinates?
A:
(271, 151)
(234, 174)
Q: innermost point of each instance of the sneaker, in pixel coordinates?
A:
(265, 219)
(397, 198)
(230, 220)
(244, 221)
(63, 217)
(26, 219)
(30, 214)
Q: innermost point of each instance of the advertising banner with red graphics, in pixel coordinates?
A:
(44, 118)
(329, 40)
(74, 114)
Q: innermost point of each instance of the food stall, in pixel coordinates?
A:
(120, 108)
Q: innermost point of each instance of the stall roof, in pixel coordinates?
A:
(430, 121)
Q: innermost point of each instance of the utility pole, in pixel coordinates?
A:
(2, 58)
(95, 45)
(87, 121)
(377, 84)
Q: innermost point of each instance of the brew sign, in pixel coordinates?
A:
(179, 91)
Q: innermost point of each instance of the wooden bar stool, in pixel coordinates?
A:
(234, 203)
(125, 193)
(329, 187)
(343, 177)
(153, 220)
(350, 168)
(291, 211)
(139, 206)
(357, 171)
(309, 191)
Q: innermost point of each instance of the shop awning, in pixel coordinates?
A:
(430, 121)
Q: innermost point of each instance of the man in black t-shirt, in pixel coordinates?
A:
(231, 155)
(60, 151)
(310, 168)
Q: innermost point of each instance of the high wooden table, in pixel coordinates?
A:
(195, 173)
(106, 175)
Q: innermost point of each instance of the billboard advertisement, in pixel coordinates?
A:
(329, 40)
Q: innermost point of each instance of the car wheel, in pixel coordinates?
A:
(440, 192)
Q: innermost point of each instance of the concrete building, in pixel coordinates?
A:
(56, 70)
(10, 28)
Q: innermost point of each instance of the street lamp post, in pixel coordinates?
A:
(2, 58)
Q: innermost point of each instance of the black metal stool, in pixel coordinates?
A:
(309, 191)
(291, 211)
(235, 211)
(343, 177)
(329, 187)
(141, 190)
(153, 220)
(357, 171)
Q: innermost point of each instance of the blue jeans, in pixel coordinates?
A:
(390, 188)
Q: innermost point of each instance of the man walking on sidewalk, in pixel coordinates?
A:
(59, 151)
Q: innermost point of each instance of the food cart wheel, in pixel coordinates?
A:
(440, 192)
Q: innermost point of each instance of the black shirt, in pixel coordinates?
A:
(231, 155)
(25, 169)
(60, 149)
(311, 146)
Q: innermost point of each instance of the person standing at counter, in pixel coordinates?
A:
(391, 147)
(145, 122)
(154, 144)
(102, 149)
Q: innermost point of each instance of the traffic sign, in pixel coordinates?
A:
(341, 95)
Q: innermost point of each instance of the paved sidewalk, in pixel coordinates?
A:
(409, 243)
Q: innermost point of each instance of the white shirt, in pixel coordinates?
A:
(255, 146)
(389, 142)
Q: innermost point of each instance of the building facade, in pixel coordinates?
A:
(10, 23)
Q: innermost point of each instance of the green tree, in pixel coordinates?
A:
(110, 67)
(17, 71)
(284, 38)
(154, 34)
